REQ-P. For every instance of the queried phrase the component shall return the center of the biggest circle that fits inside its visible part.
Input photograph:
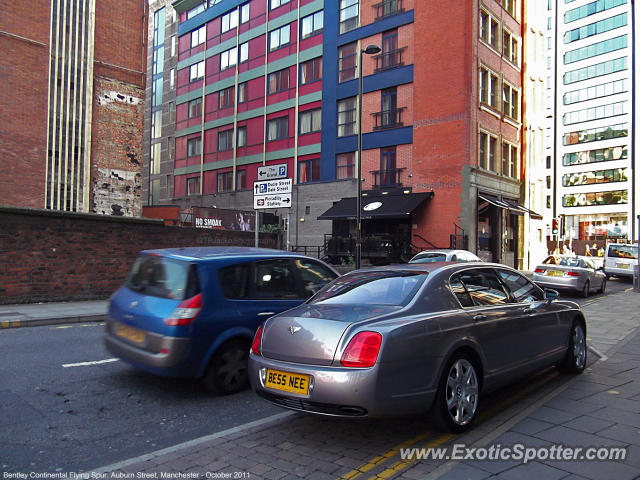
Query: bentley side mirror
(550, 295)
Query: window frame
(281, 43)
(279, 122)
(225, 140)
(314, 31)
(312, 114)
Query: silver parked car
(444, 255)
(404, 339)
(570, 273)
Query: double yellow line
(434, 441)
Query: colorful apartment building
(234, 85)
(73, 105)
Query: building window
(228, 58)
(347, 62)
(244, 52)
(225, 98)
(198, 36)
(277, 128)
(229, 20)
(596, 91)
(241, 179)
(311, 70)
(548, 180)
(510, 47)
(599, 176)
(509, 6)
(347, 111)
(196, 71)
(242, 92)
(602, 26)
(196, 10)
(591, 9)
(155, 157)
(310, 121)
(510, 101)
(279, 37)
(615, 197)
(595, 49)
(391, 55)
(156, 124)
(242, 137)
(489, 28)
(193, 186)
(225, 140)
(596, 134)
(244, 13)
(489, 87)
(349, 12)
(548, 201)
(194, 147)
(594, 113)
(388, 170)
(173, 45)
(389, 108)
(312, 24)
(386, 8)
(278, 81)
(509, 160)
(345, 165)
(225, 182)
(597, 70)
(309, 170)
(277, 3)
(171, 147)
(595, 156)
(487, 146)
(172, 78)
(195, 108)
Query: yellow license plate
(130, 333)
(622, 265)
(287, 382)
(554, 273)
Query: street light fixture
(370, 50)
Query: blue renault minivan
(192, 312)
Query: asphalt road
(58, 413)
(61, 409)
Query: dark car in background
(404, 339)
(192, 312)
(562, 272)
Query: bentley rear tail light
(362, 350)
(539, 270)
(255, 346)
(573, 274)
(186, 312)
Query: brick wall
(48, 256)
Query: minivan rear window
(162, 277)
(623, 251)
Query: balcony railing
(388, 118)
(388, 177)
(390, 59)
(386, 8)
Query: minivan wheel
(456, 403)
(228, 371)
(576, 357)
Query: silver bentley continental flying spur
(412, 338)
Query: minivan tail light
(255, 346)
(362, 350)
(186, 312)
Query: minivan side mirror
(550, 295)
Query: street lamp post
(370, 50)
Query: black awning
(377, 206)
(511, 205)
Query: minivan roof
(212, 253)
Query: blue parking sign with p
(263, 187)
(282, 170)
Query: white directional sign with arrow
(272, 193)
(269, 172)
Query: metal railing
(388, 118)
(386, 8)
(388, 177)
(390, 59)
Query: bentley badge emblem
(293, 329)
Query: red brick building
(73, 76)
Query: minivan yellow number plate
(622, 265)
(287, 382)
(130, 333)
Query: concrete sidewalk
(38, 314)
